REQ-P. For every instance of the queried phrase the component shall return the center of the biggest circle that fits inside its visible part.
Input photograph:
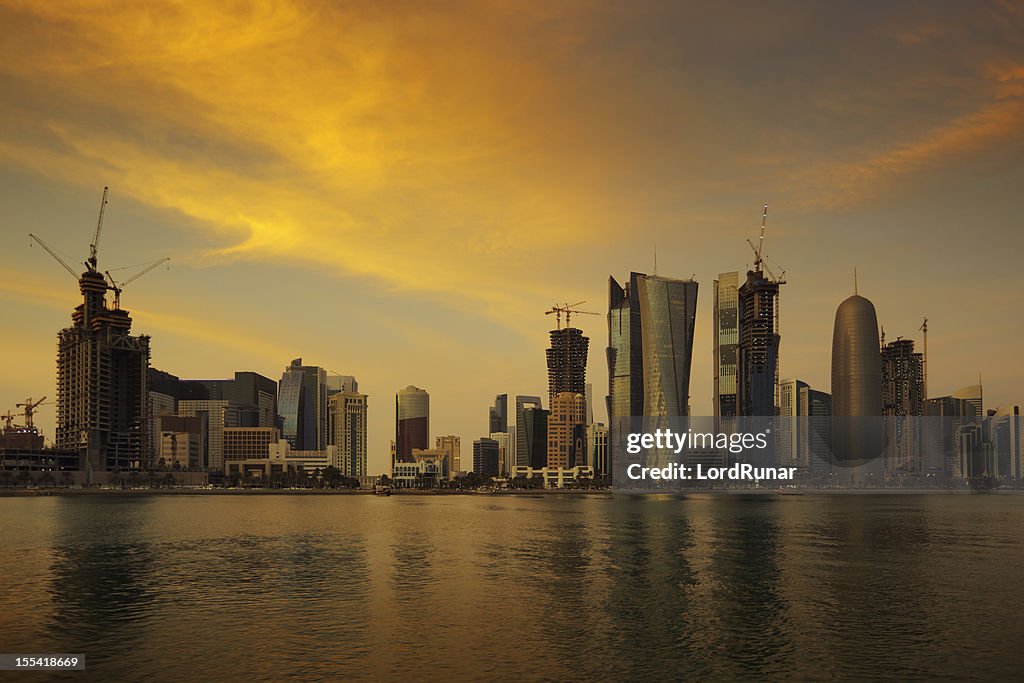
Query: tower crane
(52, 253)
(568, 309)
(8, 417)
(924, 363)
(91, 263)
(116, 288)
(759, 263)
(30, 410)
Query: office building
(941, 446)
(1006, 441)
(974, 395)
(792, 394)
(450, 448)
(650, 346)
(857, 434)
(522, 450)
(217, 418)
(412, 422)
(485, 457)
(248, 443)
(533, 431)
(302, 402)
(347, 427)
(597, 442)
(757, 351)
(182, 442)
(567, 362)
(497, 415)
(504, 447)
(102, 383)
(567, 429)
(726, 340)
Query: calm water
(259, 588)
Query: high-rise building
(218, 416)
(650, 346)
(902, 404)
(974, 395)
(485, 457)
(625, 351)
(567, 430)
(347, 428)
(102, 383)
(338, 383)
(856, 383)
(248, 443)
(522, 450)
(792, 394)
(941, 445)
(567, 362)
(757, 351)
(450, 448)
(182, 440)
(533, 430)
(302, 401)
(504, 446)
(412, 422)
(497, 415)
(597, 441)
(726, 341)
(1006, 441)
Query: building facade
(412, 422)
(567, 428)
(347, 429)
(726, 341)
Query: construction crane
(759, 263)
(116, 288)
(91, 263)
(924, 360)
(568, 309)
(30, 410)
(8, 417)
(52, 253)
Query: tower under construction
(102, 371)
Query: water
(260, 588)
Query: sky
(400, 190)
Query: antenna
(855, 292)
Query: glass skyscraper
(726, 338)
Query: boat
(381, 490)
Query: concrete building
(485, 457)
(504, 440)
(450, 448)
(102, 383)
(941, 448)
(347, 427)
(792, 396)
(556, 477)
(217, 417)
(412, 422)
(726, 341)
(902, 405)
(757, 351)
(567, 362)
(249, 443)
(1008, 450)
(534, 432)
(182, 442)
(567, 428)
(597, 442)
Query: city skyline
(358, 268)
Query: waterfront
(169, 588)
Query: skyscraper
(650, 346)
(533, 429)
(302, 401)
(412, 422)
(567, 362)
(902, 404)
(726, 340)
(567, 430)
(102, 383)
(522, 449)
(856, 383)
(792, 395)
(497, 415)
(347, 428)
(450, 448)
(757, 351)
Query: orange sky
(399, 190)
